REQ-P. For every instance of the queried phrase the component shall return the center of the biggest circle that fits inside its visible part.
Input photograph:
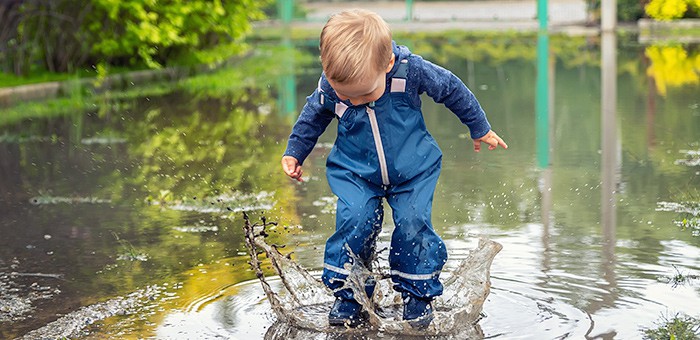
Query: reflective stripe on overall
(383, 150)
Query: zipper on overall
(378, 143)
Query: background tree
(64, 35)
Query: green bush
(672, 9)
(65, 35)
(627, 10)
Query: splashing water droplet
(303, 303)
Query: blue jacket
(421, 76)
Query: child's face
(365, 90)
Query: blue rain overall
(383, 150)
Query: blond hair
(355, 44)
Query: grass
(679, 327)
(129, 252)
(679, 278)
(9, 80)
(263, 65)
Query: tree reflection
(673, 66)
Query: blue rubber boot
(417, 311)
(346, 313)
(370, 284)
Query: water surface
(133, 205)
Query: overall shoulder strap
(329, 103)
(398, 81)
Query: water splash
(234, 202)
(45, 199)
(197, 229)
(688, 207)
(326, 203)
(689, 211)
(19, 139)
(692, 158)
(302, 305)
(102, 140)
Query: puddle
(302, 305)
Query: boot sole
(349, 322)
(422, 322)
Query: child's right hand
(291, 167)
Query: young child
(382, 151)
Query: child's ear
(391, 63)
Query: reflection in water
(610, 144)
(287, 99)
(544, 109)
(580, 256)
(672, 66)
(610, 167)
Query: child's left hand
(490, 138)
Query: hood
(401, 52)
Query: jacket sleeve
(312, 122)
(446, 88)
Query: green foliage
(65, 35)
(42, 35)
(102, 73)
(679, 278)
(665, 10)
(627, 10)
(274, 9)
(261, 66)
(630, 10)
(673, 65)
(153, 31)
(680, 327)
(498, 48)
(7, 79)
(633, 10)
(46, 109)
(128, 251)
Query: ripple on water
(74, 324)
(21, 291)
